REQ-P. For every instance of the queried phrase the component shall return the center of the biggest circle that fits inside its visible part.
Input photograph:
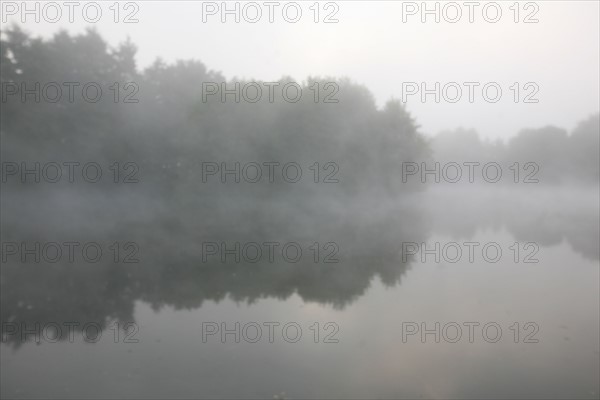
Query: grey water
(349, 325)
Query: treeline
(562, 157)
(167, 120)
(158, 118)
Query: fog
(372, 45)
(202, 208)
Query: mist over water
(174, 234)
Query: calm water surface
(355, 315)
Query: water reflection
(545, 215)
(171, 271)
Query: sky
(386, 46)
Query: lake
(447, 293)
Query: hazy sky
(373, 46)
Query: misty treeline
(172, 129)
(562, 157)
